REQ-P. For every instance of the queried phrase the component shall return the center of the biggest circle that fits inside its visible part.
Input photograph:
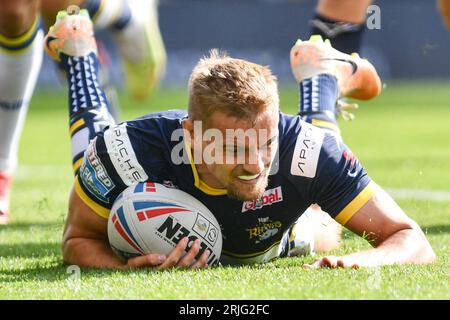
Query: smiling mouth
(249, 178)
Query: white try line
(24, 172)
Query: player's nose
(254, 164)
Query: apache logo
(269, 197)
(122, 155)
(307, 150)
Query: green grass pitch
(402, 138)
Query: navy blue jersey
(312, 166)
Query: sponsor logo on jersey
(93, 174)
(269, 197)
(264, 230)
(307, 151)
(122, 155)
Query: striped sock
(317, 102)
(344, 36)
(20, 62)
(89, 109)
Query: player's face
(248, 150)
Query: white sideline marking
(24, 172)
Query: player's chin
(246, 191)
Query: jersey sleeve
(110, 165)
(325, 171)
(342, 186)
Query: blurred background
(412, 42)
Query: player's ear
(188, 124)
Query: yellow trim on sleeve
(326, 124)
(77, 124)
(360, 200)
(16, 41)
(77, 164)
(199, 184)
(98, 209)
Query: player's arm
(397, 238)
(85, 243)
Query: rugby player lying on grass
(297, 163)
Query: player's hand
(150, 260)
(176, 259)
(332, 262)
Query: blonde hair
(235, 87)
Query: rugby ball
(151, 218)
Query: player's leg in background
(72, 44)
(315, 231)
(49, 10)
(341, 21)
(444, 9)
(135, 28)
(325, 75)
(21, 51)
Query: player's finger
(342, 264)
(189, 257)
(201, 262)
(329, 261)
(321, 263)
(149, 260)
(175, 255)
(318, 263)
(309, 266)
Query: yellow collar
(199, 184)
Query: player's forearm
(404, 246)
(92, 253)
